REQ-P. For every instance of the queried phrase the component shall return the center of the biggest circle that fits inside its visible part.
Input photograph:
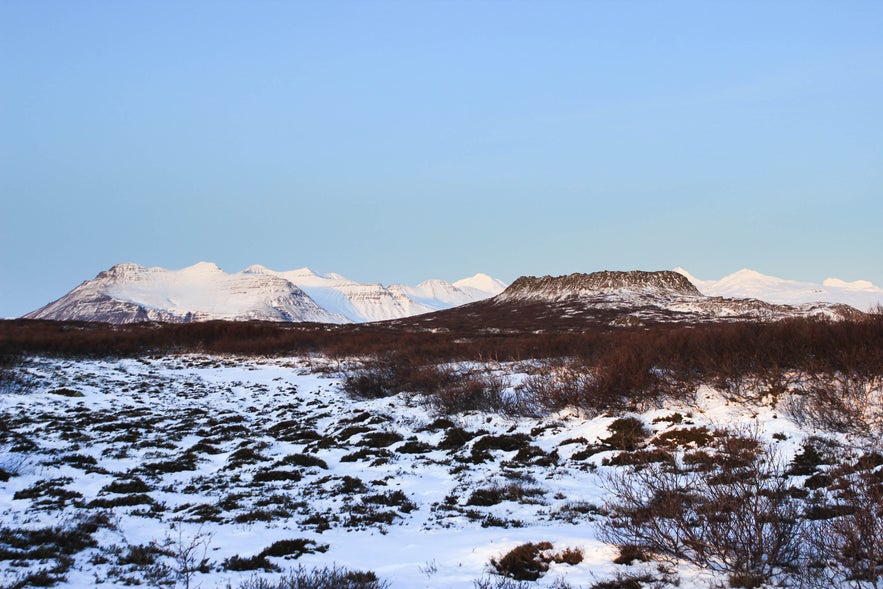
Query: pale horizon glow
(396, 142)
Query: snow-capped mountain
(654, 296)
(481, 284)
(130, 293)
(438, 294)
(860, 294)
(356, 301)
(360, 302)
(612, 298)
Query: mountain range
(578, 301)
(128, 293)
(861, 294)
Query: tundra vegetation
(261, 455)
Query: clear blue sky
(398, 141)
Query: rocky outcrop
(660, 284)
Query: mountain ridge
(747, 283)
(129, 292)
(608, 281)
(610, 299)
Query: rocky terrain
(579, 301)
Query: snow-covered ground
(247, 452)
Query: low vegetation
(528, 562)
(319, 578)
(824, 373)
(505, 421)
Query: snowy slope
(481, 286)
(129, 292)
(439, 294)
(745, 283)
(375, 302)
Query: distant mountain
(129, 293)
(479, 285)
(577, 301)
(438, 294)
(360, 302)
(355, 301)
(745, 283)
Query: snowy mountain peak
(257, 269)
(121, 271)
(748, 273)
(751, 278)
(436, 294)
(202, 268)
(746, 283)
(437, 282)
(129, 293)
(305, 272)
(481, 282)
(436, 285)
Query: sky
(395, 141)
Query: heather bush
(528, 562)
(494, 494)
(626, 433)
(496, 582)
(394, 373)
(54, 547)
(524, 562)
(471, 392)
(333, 577)
(635, 581)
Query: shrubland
(720, 498)
(824, 373)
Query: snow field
(201, 432)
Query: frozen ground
(243, 453)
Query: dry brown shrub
(846, 546)
(528, 562)
(850, 401)
(739, 520)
